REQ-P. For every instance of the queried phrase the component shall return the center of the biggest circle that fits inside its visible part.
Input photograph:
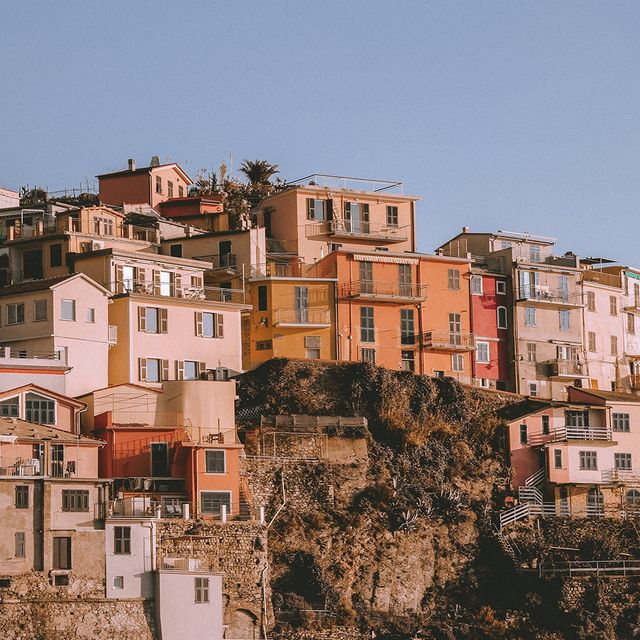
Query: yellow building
(292, 317)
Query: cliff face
(401, 541)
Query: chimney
(132, 164)
(465, 229)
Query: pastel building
(62, 319)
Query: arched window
(632, 499)
(502, 317)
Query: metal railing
(148, 507)
(448, 341)
(175, 290)
(302, 316)
(279, 270)
(568, 368)
(363, 229)
(545, 294)
(153, 418)
(587, 567)
(329, 181)
(33, 467)
(373, 289)
(209, 435)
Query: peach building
(46, 370)
(203, 212)
(64, 319)
(147, 185)
(309, 220)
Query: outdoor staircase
(245, 511)
(508, 546)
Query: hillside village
(252, 408)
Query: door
(32, 265)
(301, 304)
(57, 460)
(159, 459)
(405, 279)
(455, 329)
(563, 282)
(356, 217)
(564, 501)
(224, 247)
(366, 277)
(165, 283)
(595, 502)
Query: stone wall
(335, 633)
(239, 550)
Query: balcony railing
(192, 565)
(152, 418)
(174, 290)
(571, 368)
(634, 380)
(545, 294)
(367, 230)
(601, 277)
(32, 467)
(376, 290)
(221, 261)
(29, 357)
(582, 433)
(279, 270)
(437, 340)
(303, 317)
(148, 507)
(620, 475)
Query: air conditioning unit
(96, 245)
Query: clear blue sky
(501, 115)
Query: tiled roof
(32, 285)
(614, 396)
(24, 430)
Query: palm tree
(258, 171)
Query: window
(613, 305)
(39, 310)
(118, 582)
(264, 345)
(189, 369)
(40, 409)
(621, 422)
(91, 314)
(75, 500)
(214, 461)
(505, 244)
(62, 552)
(211, 501)
(392, 216)
(534, 253)
(301, 304)
(563, 287)
(180, 191)
(55, 255)
(557, 458)
(209, 325)
(577, 418)
(262, 298)
(405, 282)
(19, 544)
(533, 389)
(316, 209)
(368, 355)
(407, 329)
(408, 362)
(502, 317)
(158, 184)
(153, 369)
(476, 285)
(15, 313)
(453, 279)
(532, 352)
(482, 353)
(546, 426)
(365, 273)
(631, 323)
(592, 341)
(457, 362)
(565, 320)
(636, 295)
(632, 498)
(175, 250)
(367, 333)
(10, 408)
(159, 459)
(312, 346)
(202, 590)
(614, 345)
(530, 316)
(121, 541)
(524, 435)
(153, 320)
(22, 497)
(622, 461)
(68, 310)
(356, 217)
(56, 453)
(588, 460)
(169, 189)
(501, 287)
(591, 301)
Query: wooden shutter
(179, 369)
(142, 369)
(329, 211)
(118, 285)
(176, 284)
(165, 370)
(164, 320)
(198, 319)
(156, 282)
(140, 277)
(219, 318)
(202, 367)
(142, 318)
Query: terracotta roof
(24, 430)
(44, 391)
(32, 285)
(526, 408)
(613, 396)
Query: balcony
(548, 296)
(384, 291)
(620, 476)
(582, 433)
(33, 468)
(360, 230)
(568, 368)
(30, 358)
(226, 262)
(191, 565)
(634, 381)
(174, 290)
(601, 277)
(446, 341)
(319, 318)
(144, 506)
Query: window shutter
(156, 282)
(219, 325)
(118, 284)
(365, 213)
(202, 367)
(179, 370)
(142, 318)
(177, 285)
(164, 320)
(198, 318)
(329, 206)
(165, 370)
(142, 369)
(310, 211)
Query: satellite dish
(155, 161)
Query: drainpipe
(471, 329)
(420, 322)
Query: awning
(382, 258)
